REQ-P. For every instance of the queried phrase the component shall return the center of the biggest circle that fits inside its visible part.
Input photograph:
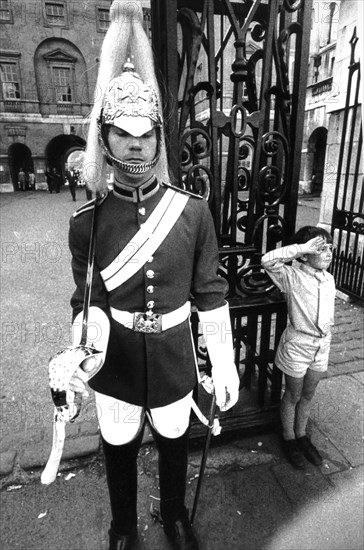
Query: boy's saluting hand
(314, 246)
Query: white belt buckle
(148, 322)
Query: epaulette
(183, 191)
(90, 204)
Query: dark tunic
(150, 370)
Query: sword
(65, 412)
(204, 455)
(49, 473)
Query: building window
(332, 66)
(5, 13)
(10, 80)
(62, 78)
(333, 22)
(55, 13)
(103, 19)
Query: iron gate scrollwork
(348, 209)
(236, 79)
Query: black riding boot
(121, 475)
(173, 456)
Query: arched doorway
(317, 152)
(19, 156)
(58, 150)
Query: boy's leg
(310, 382)
(292, 395)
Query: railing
(322, 87)
(13, 106)
(348, 271)
(65, 108)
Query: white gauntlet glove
(70, 369)
(216, 328)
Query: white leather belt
(150, 322)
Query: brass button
(150, 289)
(150, 274)
(142, 211)
(150, 304)
(150, 260)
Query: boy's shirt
(310, 296)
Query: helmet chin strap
(130, 167)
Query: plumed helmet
(130, 103)
(124, 97)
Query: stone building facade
(350, 22)
(333, 25)
(322, 91)
(48, 59)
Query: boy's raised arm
(291, 252)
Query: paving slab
(302, 486)
(334, 522)
(338, 410)
(338, 366)
(333, 459)
(240, 510)
(359, 376)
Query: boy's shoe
(309, 450)
(293, 453)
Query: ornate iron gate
(348, 212)
(236, 79)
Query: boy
(303, 350)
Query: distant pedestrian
(50, 181)
(72, 178)
(57, 180)
(22, 180)
(303, 350)
(31, 181)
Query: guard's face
(133, 149)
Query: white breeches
(120, 421)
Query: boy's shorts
(298, 352)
